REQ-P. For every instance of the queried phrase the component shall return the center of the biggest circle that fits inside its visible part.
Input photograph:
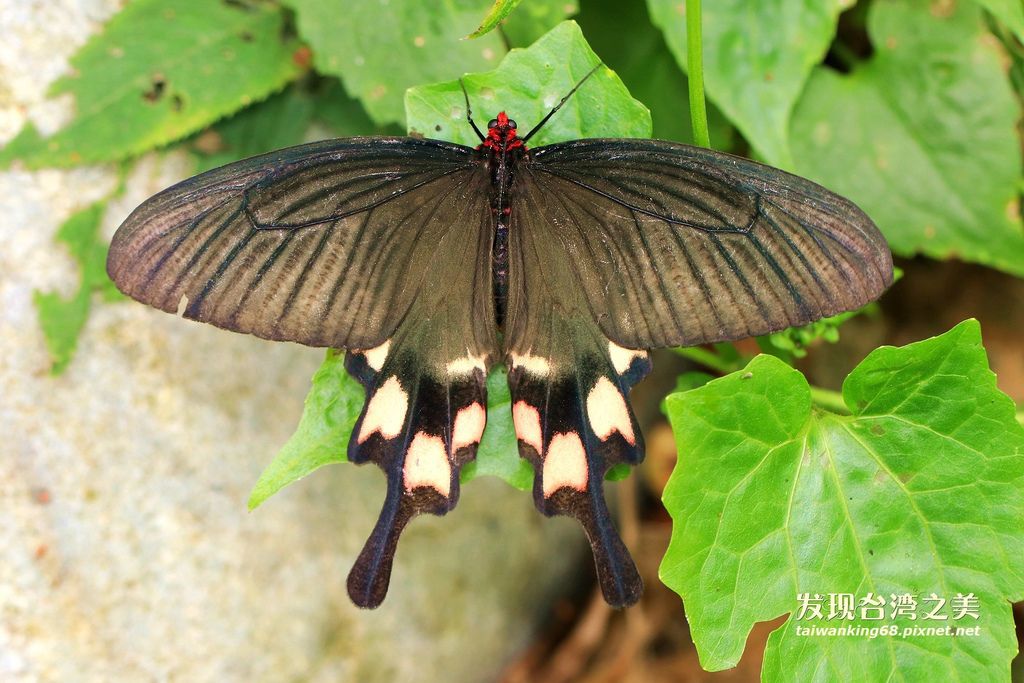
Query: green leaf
(757, 57)
(498, 454)
(527, 84)
(499, 10)
(380, 49)
(923, 136)
(332, 406)
(158, 72)
(532, 20)
(1010, 12)
(280, 121)
(345, 115)
(918, 491)
(62, 319)
(623, 37)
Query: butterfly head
(501, 134)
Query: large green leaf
(757, 57)
(919, 491)
(380, 49)
(527, 84)
(158, 72)
(923, 136)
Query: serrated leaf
(757, 57)
(60, 318)
(526, 85)
(923, 136)
(158, 72)
(499, 10)
(623, 37)
(918, 491)
(380, 49)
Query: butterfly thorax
(504, 149)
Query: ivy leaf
(918, 491)
(380, 49)
(527, 84)
(62, 319)
(757, 58)
(158, 72)
(499, 10)
(923, 136)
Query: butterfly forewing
(676, 245)
(325, 244)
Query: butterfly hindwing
(422, 421)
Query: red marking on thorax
(501, 135)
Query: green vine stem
(695, 67)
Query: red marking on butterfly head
(501, 134)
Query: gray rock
(126, 552)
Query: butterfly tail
(573, 426)
(420, 426)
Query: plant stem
(829, 400)
(695, 67)
(708, 359)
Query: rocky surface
(126, 552)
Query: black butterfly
(431, 261)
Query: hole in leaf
(156, 90)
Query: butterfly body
(432, 262)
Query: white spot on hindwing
(376, 356)
(469, 426)
(535, 365)
(466, 366)
(526, 418)
(386, 411)
(565, 464)
(426, 464)
(607, 411)
(622, 358)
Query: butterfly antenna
(469, 112)
(559, 105)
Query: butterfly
(431, 262)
